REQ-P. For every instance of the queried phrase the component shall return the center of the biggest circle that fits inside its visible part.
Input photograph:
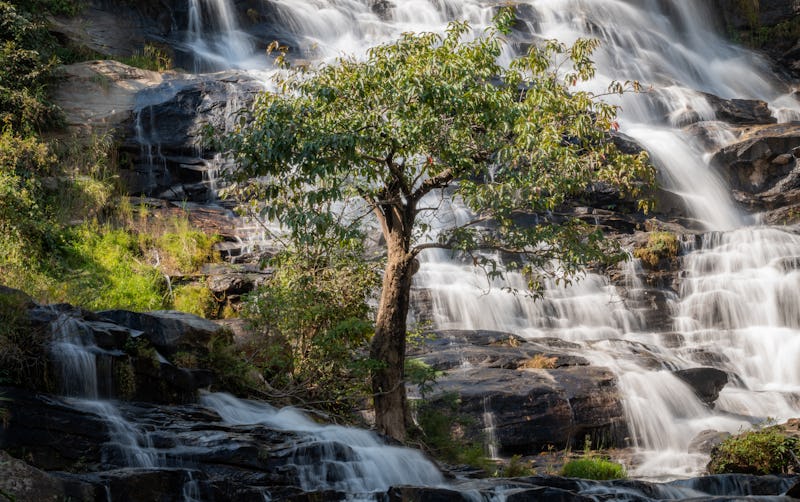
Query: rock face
(538, 394)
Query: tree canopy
(438, 114)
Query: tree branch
(439, 181)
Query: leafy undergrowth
(762, 451)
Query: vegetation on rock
(430, 115)
(593, 468)
(761, 451)
(660, 246)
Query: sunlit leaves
(431, 111)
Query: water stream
(738, 302)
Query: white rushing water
(738, 305)
(332, 457)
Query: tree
(439, 114)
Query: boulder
(51, 434)
(758, 161)
(707, 440)
(705, 382)
(20, 481)
(740, 111)
(169, 331)
(536, 409)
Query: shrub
(593, 468)
(311, 324)
(763, 451)
(27, 67)
(151, 57)
(442, 431)
(23, 349)
(659, 246)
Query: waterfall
(737, 308)
(351, 460)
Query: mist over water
(738, 306)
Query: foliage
(763, 451)
(593, 468)
(27, 65)
(151, 57)
(659, 246)
(440, 428)
(516, 468)
(183, 250)
(232, 368)
(421, 374)
(22, 161)
(195, 299)
(22, 348)
(111, 271)
(427, 112)
(590, 466)
(311, 324)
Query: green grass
(593, 468)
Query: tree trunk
(389, 343)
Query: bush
(660, 246)
(442, 431)
(311, 325)
(593, 468)
(27, 65)
(764, 451)
(23, 349)
(151, 58)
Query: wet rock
(534, 409)
(138, 485)
(417, 494)
(740, 111)
(233, 281)
(169, 331)
(50, 434)
(706, 382)
(748, 165)
(767, 12)
(707, 440)
(739, 485)
(20, 481)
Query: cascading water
(738, 299)
(333, 458)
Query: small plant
(763, 451)
(539, 361)
(659, 246)
(150, 57)
(593, 468)
(516, 468)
